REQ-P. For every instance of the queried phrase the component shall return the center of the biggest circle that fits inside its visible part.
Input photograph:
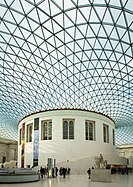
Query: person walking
(89, 172)
(41, 172)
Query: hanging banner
(23, 145)
(36, 142)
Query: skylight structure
(65, 54)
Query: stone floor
(78, 181)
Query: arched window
(105, 133)
(89, 130)
(68, 129)
(71, 130)
(29, 133)
(46, 130)
(65, 129)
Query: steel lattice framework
(65, 54)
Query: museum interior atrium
(74, 54)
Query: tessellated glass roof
(65, 54)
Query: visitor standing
(89, 172)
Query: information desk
(19, 177)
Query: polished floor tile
(78, 181)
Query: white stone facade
(68, 150)
(127, 152)
(8, 150)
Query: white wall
(71, 150)
(127, 152)
(8, 149)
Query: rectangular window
(113, 137)
(90, 130)
(20, 136)
(68, 129)
(105, 133)
(46, 129)
(29, 133)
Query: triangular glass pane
(71, 31)
(78, 33)
(85, 57)
(117, 55)
(129, 52)
(4, 37)
(103, 56)
(129, 5)
(86, 12)
(31, 40)
(68, 4)
(83, 29)
(101, 12)
(88, 52)
(114, 43)
(113, 57)
(128, 59)
(102, 32)
(13, 42)
(3, 27)
(60, 35)
(33, 24)
(42, 16)
(24, 24)
(107, 17)
(121, 32)
(56, 27)
(53, 8)
(60, 3)
(95, 28)
(97, 44)
(37, 55)
(2, 11)
(93, 17)
(118, 48)
(60, 20)
(114, 34)
(121, 20)
(93, 56)
(115, 14)
(70, 18)
(90, 33)
(47, 33)
(11, 27)
(91, 41)
(126, 37)
(44, 7)
(50, 47)
(58, 42)
(12, 57)
(80, 18)
(17, 6)
(68, 38)
(80, 43)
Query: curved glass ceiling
(65, 54)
